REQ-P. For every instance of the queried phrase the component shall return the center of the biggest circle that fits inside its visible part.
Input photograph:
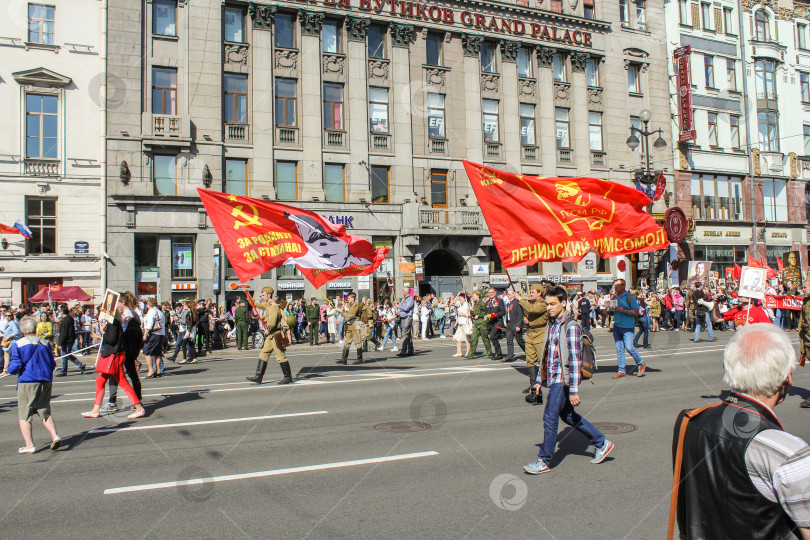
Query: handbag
(111, 363)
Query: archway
(442, 262)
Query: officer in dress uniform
(354, 329)
(479, 313)
(804, 333)
(313, 318)
(495, 314)
(537, 319)
(275, 321)
(514, 326)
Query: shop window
(569, 268)
(182, 256)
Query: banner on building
(684, 82)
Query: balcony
(768, 49)
(529, 153)
(418, 219)
(166, 129)
(494, 150)
(237, 132)
(41, 167)
(335, 138)
(165, 126)
(565, 155)
(380, 141)
(440, 219)
(438, 146)
(287, 135)
(598, 159)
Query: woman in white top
(425, 317)
(464, 323)
(388, 317)
(331, 321)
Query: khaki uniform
(537, 315)
(367, 318)
(313, 318)
(354, 326)
(479, 314)
(804, 327)
(275, 321)
(689, 305)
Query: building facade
(752, 128)
(52, 147)
(363, 111)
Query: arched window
(762, 25)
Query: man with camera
(562, 351)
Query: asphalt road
(313, 466)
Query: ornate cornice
(310, 22)
(544, 56)
(356, 28)
(578, 60)
(509, 50)
(471, 44)
(262, 16)
(402, 35)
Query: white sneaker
(379, 348)
(339, 342)
(442, 336)
(394, 349)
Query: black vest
(717, 499)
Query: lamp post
(646, 176)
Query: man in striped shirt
(563, 350)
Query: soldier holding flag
(274, 321)
(354, 330)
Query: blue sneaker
(602, 453)
(538, 466)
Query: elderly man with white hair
(738, 474)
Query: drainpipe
(747, 124)
(103, 101)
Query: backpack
(588, 366)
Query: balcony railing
(598, 159)
(530, 153)
(455, 218)
(335, 138)
(286, 135)
(381, 142)
(164, 125)
(438, 146)
(494, 150)
(41, 167)
(565, 155)
(237, 132)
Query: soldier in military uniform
(275, 321)
(367, 318)
(313, 318)
(241, 318)
(537, 318)
(495, 314)
(354, 329)
(479, 314)
(804, 333)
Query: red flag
(535, 219)
(779, 264)
(770, 272)
(660, 187)
(5, 229)
(737, 271)
(259, 235)
(753, 262)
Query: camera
(534, 398)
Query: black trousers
(132, 373)
(585, 316)
(511, 337)
(494, 333)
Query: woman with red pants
(110, 345)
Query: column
(510, 104)
(310, 172)
(400, 95)
(472, 97)
(357, 121)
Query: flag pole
(326, 298)
(510, 280)
(250, 301)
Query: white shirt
(152, 316)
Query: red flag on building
(535, 219)
(779, 264)
(737, 274)
(5, 229)
(660, 186)
(259, 235)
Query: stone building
(363, 110)
(52, 147)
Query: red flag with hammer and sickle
(535, 219)
(259, 235)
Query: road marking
(262, 474)
(205, 422)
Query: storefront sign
(558, 279)
(676, 225)
(346, 221)
(364, 282)
(297, 285)
(81, 247)
(499, 280)
(406, 267)
(382, 241)
(234, 285)
(684, 82)
(217, 255)
(479, 270)
(339, 285)
(184, 286)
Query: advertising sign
(181, 257)
(684, 82)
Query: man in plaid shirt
(564, 360)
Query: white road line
(205, 422)
(262, 474)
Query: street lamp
(646, 176)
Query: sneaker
(538, 466)
(379, 348)
(56, 443)
(805, 404)
(137, 414)
(601, 453)
(442, 337)
(3, 374)
(27, 450)
(108, 407)
(394, 349)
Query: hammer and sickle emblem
(240, 214)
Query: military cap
(546, 283)
(269, 290)
(312, 299)
(537, 287)
(476, 291)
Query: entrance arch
(442, 262)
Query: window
(635, 122)
(558, 68)
(330, 36)
(235, 24)
(490, 108)
(589, 9)
(286, 102)
(286, 180)
(706, 15)
(435, 104)
(527, 137)
(378, 109)
(376, 41)
(164, 15)
(438, 188)
(284, 31)
(487, 55)
(287, 270)
(728, 20)
(634, 78)
(712, 117)
(801, 35)
(495, 263)
(41, 126)
(41, 219)
(40, 24)
(723, 256)
(236, 177)
(768, 131)
(333, 107)
(164, 91)
(236, 98)
(182, 256)
(333, 182)
(765, 71)
(624, 12)
(146, 251)
(806, 130)
(164, 173)
(561, 123)
(804, 84)
(556, 6)
(592, 72)
(683, 11)
(536, 268)
(569, 268)
(524, 62)
(380, 181)
(774, 195)
(595, 130)
(731, 75)
(641, 13)
(716, 197)
(734, 124)
(762, 30)
(433, 44)
(708, 70)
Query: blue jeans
(707, 322)
(558, 406)
(643, 328)
(441, 322)
(389, 331)
(624, 342)
(678, 319)
(341, 328)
